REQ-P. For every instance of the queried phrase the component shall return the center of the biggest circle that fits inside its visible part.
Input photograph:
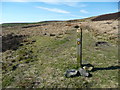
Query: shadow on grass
(96, 69)
(101, 68)
(106, 68)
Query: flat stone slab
(71, 73)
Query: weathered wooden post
(82, 70)
(79, 47)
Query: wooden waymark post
(82, 70)
(79, 47)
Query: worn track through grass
(50, 57)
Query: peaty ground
(41, 62)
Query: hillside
(38, 54)
(112, 16)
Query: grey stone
(71, 73)
(83, 72)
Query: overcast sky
(42, 10)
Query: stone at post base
(88, 67)
(79, 72)
(71, 73)
(83, 72)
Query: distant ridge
(111, 16)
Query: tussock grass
(42, 64)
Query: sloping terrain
(37, 55)
(107, 30)
(112, 16)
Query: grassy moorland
(40, 61)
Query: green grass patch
(49, 58)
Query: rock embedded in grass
(101, 43)
(33, 40)
(21, 44)
(76, 26)
(52, 34)
(44, 33)
(114, 28)
(14, 67)
(21, 65)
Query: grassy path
(52, 56)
